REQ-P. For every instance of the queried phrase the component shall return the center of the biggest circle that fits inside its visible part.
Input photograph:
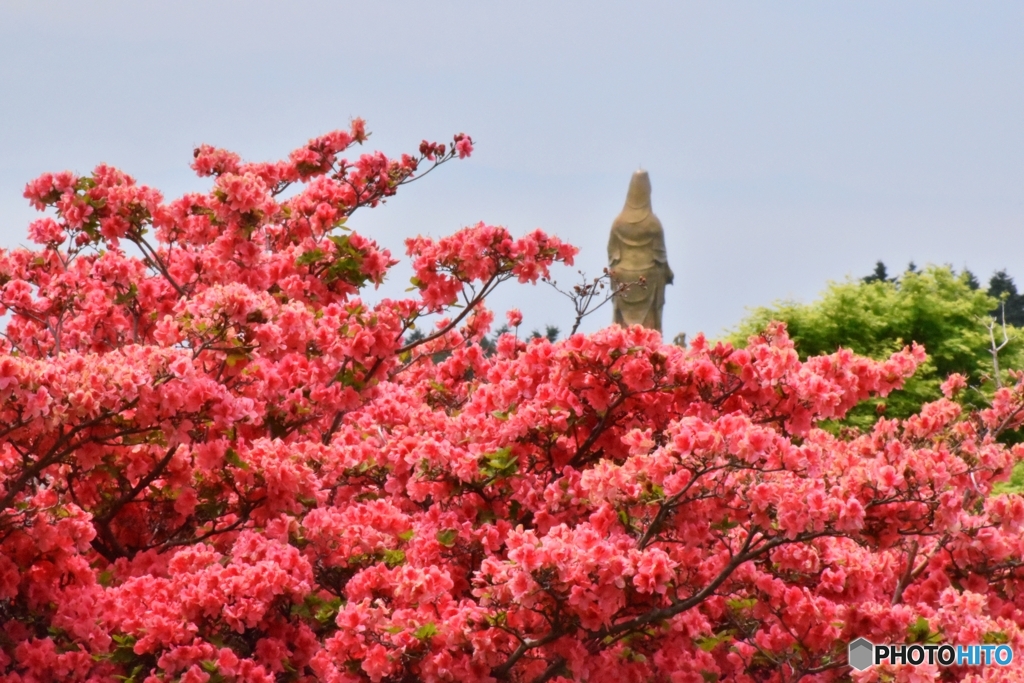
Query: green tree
(935, 307)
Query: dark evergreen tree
(880, 274)
(1002, 287)
(550, 333)
(971, 280)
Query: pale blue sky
(788, 143)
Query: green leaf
(406, 535)
(499, 464)
(347, 264)
(741, 604)
(124, 653)
(308, 258)
(485, 515)
(920, 632)
(233, 358)
(232, 458)
(630, 655)
(348, 377)
(995, 638)
(427, 630)
(709, 643)
(127, 297)
(498, 619)
(503, 415)
(393, 558)
(624, 519)
(724, 525)
(657, 492)
(302, 609)
(328, 611)
(446, 537)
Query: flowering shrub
(218, 464)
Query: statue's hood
(638, 199)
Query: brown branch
(744, 555)
(667, 507)
(55, 454)
(106, 543)
(485, 291)
(557, 664)
(243, 519)
(112, 511)
(583, 295)
(335, 423)
(596, 432)
(502, 672)
(907, 576)
(827, 666)
(1006, 422)
(154, 260)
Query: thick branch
(583, 451)
(553, 669)
(661, 614)
(56, 453)
(138, 488)
(907, 576)
(502, 672)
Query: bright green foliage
(1015, 484)
(936, 308)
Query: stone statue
(636, 249)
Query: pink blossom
(953, 384)
(463, 145)
(514, 317)
(223, 462)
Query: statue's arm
(661, 258)
(614, 249)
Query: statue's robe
(636, 249)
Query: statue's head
(638, 199)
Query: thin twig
(583, 295)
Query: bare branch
(584, 295)
(907, 576)
(994, 348)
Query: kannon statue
(637, 259)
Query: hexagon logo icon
(860, 654)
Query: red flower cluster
(218, 464)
